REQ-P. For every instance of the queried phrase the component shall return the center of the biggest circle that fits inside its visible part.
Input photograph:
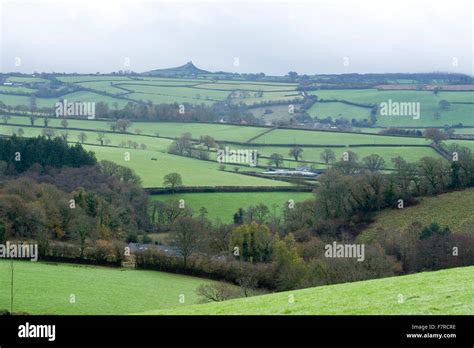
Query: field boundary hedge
(210, 189)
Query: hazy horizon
(273, 37)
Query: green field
(246, 86)
(293, 136)
(410, 154)
(81, 96)
(337, 110)
(224, 132)
(102, 86)
(181, 94)
(16, 89)
(193, 172)
(450, 209)
(267, 96)
(45, 288)
(445, 292)
(85, 78)
(26, 79)
(278, 112)
(152, 144)
(172, 90)
(458, 113)
(223, 205)
(209, 91)
(163, 129)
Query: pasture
(223, 205)
(337, 110)
(46, 288)
(193, 172)
(457, 113)
(410, 154)
(224, 132)
(295, 136)
(445, 292)
(81, 96)
(449, 209)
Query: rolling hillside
(452, 209)
(443, 292)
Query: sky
(274, 37)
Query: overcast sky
(273, 37)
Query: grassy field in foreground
(450, 209)
(223, 205)
(45, 288)
(443, 292)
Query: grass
(293, 136)
(223, 205)
(153, 144)
(164, 129)
(247, 86)
(458, 113)
(446, 292)
(450, 209)
(45, 288)
(85, 78)
(102, 86)
(410, 154)
(180, 94)
(337, 110)
(25, 79)
(167, 99)
(81, 96)
(279, 113)
(16, 89)
(193, 172)
(267, 96)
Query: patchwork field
(223, 132)
(46, 288)
(164, 129)
(457, 113)
(445, 292)
(193, 172)
(410, 154)
(15, 100)
(223, 205)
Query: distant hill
(188, 69)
